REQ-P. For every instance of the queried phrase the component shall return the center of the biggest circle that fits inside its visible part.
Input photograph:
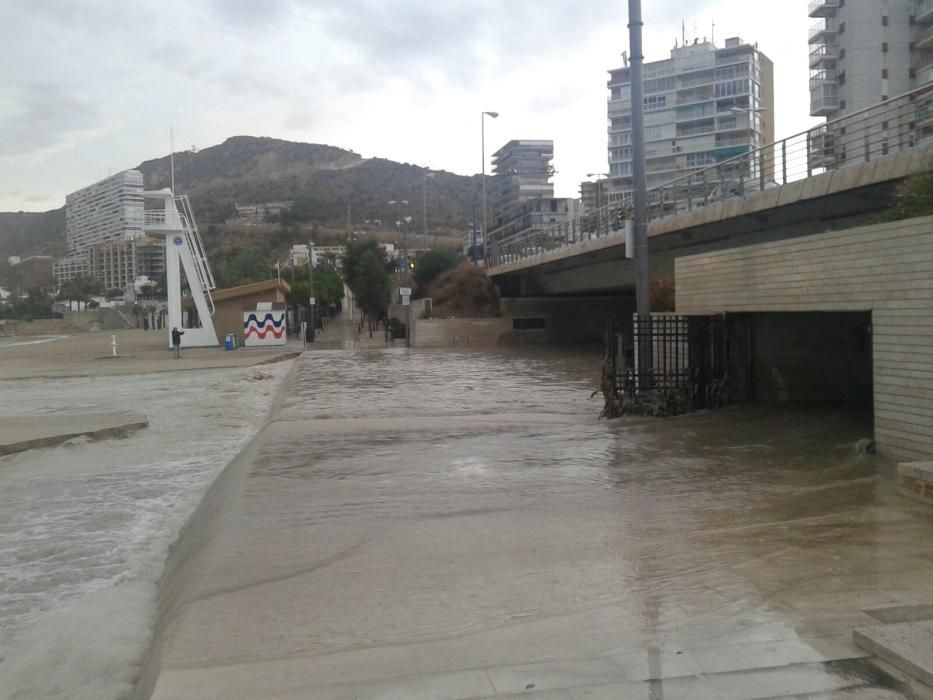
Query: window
(655, 102)
(731, 72)
(660, 85)
(884, 20)
(653, 133)
(528, 324)
(728, 122)
(884, 73)
(884, 47)
(732, 87)
(698, 160)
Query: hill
(29, 233)
(322, 180)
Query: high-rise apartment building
(703, 105)
(118, 264)
(108, 210)
(521, 194)
(863, 52)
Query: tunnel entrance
(802, 357)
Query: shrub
(464, 291)
(432, 264)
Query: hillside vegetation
(323, 181)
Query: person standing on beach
(176, 341)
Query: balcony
(824, 97)
(822, 33)
(823, 8)
(823, 55)
(924, 12)
(924, 40)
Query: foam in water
(85, 528)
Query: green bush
(432, 264)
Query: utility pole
(311, 298)
(640, 217)
(640, 194)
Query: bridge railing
(893, 126)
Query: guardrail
(899, 124)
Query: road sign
(312, 301)
(405, 291)
(406, 301)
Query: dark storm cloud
(46, 116)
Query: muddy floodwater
(459, 524)
(85, 527)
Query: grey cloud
(47, 117)
(457, 36)
(250, 14)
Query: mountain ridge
(327, 180)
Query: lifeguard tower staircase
(184, 250)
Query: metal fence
(685, 354)
(893, 126)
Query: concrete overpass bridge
(831, 177)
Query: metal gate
(686, 361)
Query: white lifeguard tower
(183, 250)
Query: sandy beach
(139, 352)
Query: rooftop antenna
(171, 141)
(683, 31)
(714, 31)
(625, 58)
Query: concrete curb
(105, 427)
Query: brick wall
(886, 269)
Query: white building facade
(703, 105)
(521, 194)
(863, 52)
(107, 211)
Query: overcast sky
(90, 87)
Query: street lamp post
(424, 212)
(311, 298)
(407, 221)
(494, 115)
(640, 182)
(401, 203)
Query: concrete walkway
(384, 537)
(342, 333)
(21, 433)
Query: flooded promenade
(425, 525)
(85, 526)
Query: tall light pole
(400, 203)
(424, 211)
(494, 115)
(311, 299)
(640, 177)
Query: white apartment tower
(106, 212)
(863, 52)
(703, 105)
(109, 210)
(521, 194)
